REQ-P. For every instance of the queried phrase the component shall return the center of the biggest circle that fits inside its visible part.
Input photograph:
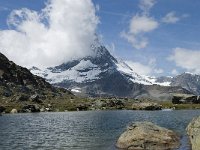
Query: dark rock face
(186, 99)
(23, 97)
(2, 109)
(82, 107)
(30, 108)
(19, 86)
(7, 93)
(148, 136)
(35, 98)
(12, 73)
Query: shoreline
(101, 110)
(80, 104)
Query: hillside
(20, 89)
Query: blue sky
(173, 38)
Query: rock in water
(147, 136)
(193, 130)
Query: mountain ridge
(99, 75)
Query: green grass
(70, 103)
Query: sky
(155, 37)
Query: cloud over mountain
(63, 30)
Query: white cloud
(139, 68)
(139, 25)
(171, 17)
(146, 5)
(62, 30)
(158, 71)
(174, 72)
(186, 59)
(3, 8)
(111, 48)
(145, 69)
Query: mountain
(20, 88)
(101, 74)
(188, 81)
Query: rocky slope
(20, 88)
(188, 81)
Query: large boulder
(7, 93)
(30, 108)
(146, 135)
(82, 107)
(13, 111)
(193, 130)
(23, 97)
(35, 98)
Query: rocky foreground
(193, 131)
(148, 136)
(22, 91)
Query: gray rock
(7, 93)
(23, 97)
(146, 106)
(147, 136)
(82, 107)
(14, 111)
(193, 130)
(35, 98)
(30, 108)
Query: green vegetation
(168, 104)
(72, 103)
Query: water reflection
(97, 130)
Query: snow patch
(83, 72)
(125, 69)
(153, 80)
(76, 90)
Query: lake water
(91, 130)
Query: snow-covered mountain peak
(90, 68)
(104, 74)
